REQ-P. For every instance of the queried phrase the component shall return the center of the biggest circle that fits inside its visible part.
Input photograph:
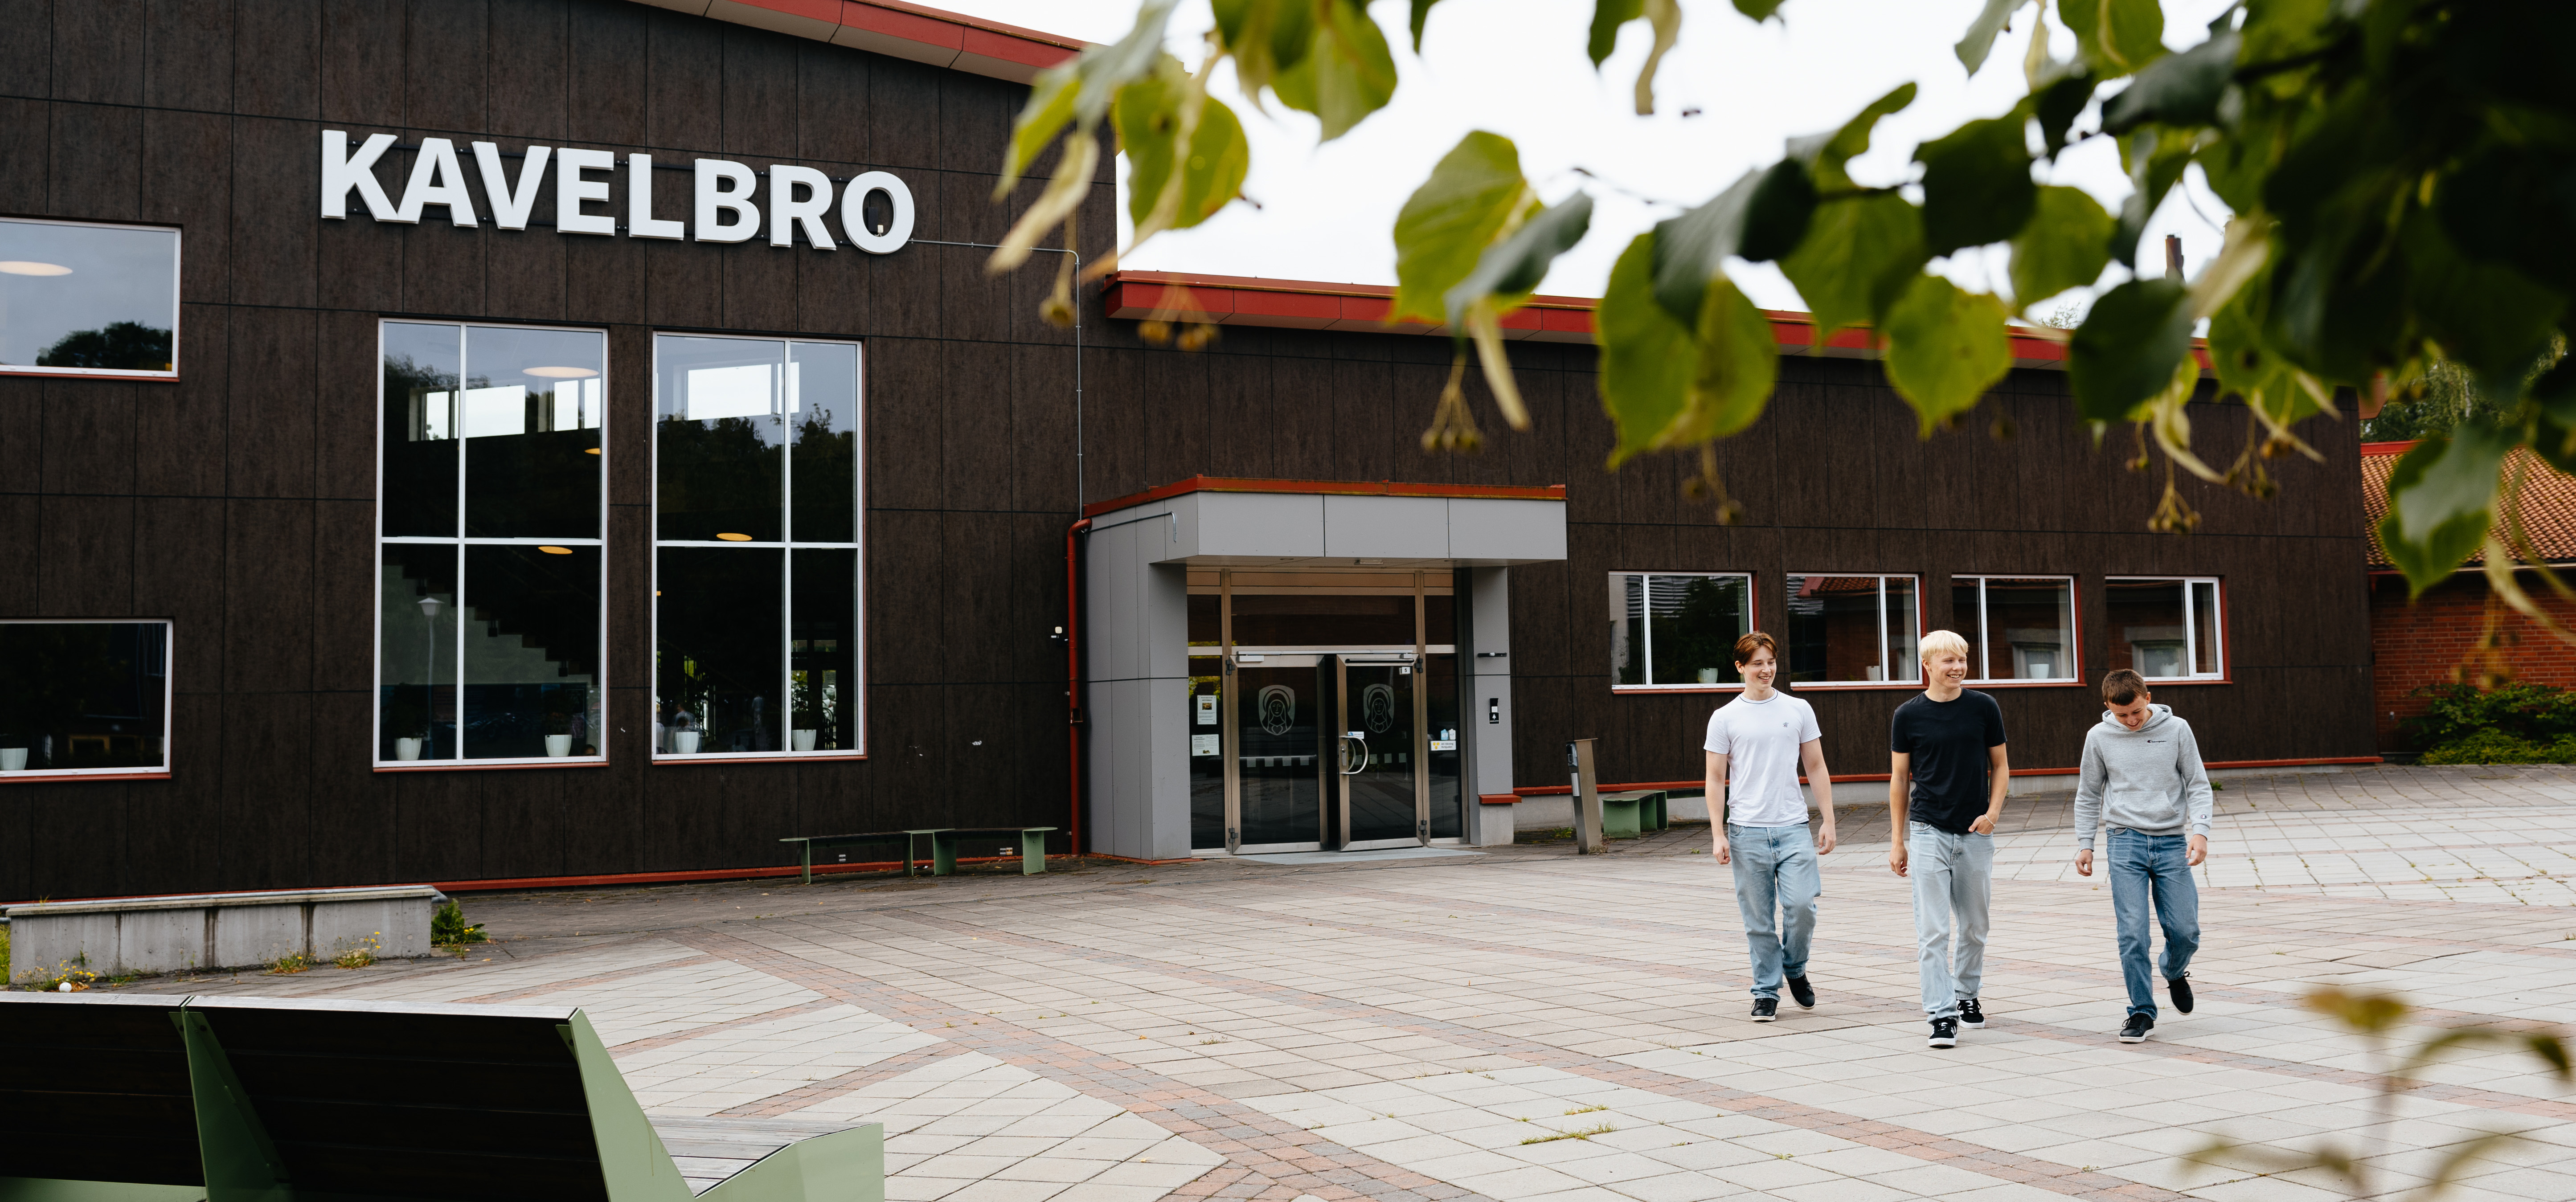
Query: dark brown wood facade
(239, 501)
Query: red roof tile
(2548, 502)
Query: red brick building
(2459, 630)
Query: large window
(1854, 630)
(489, 618)
(1677, 630)
(84, 698)
(82, 299)
(2166, 627)
(756, 641)
(2019, 628)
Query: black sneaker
(1765, 1009)
(2180, 988)
(2135, 1030)
(1802, 992)
(1971, 1014)
(1945, 1033)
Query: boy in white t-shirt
(1758, 820)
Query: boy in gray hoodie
(2143, 779)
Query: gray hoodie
(2142, 779)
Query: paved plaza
(1426, 1028)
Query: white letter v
(511, 205)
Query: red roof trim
(900, 29)
(2374, 449)
(1307, 305)
(1344, 488)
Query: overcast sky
(1517, 67)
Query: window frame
(376, 622)
(178, 292)
(2074, 632)
(169, 670)
(1752, 618)
(857, 691)
(1914, 685)
(2191, 628)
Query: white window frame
(854, 694)
(375, 682)
(178, 238)
(1914, 665)
(2192, 623)
(1752, 611)
(169, 660)
(1984, 676)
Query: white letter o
(854, 221)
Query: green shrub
(447, 927)
(2536, 713)
(2496, 747)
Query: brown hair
(1752, 642)
(2122, 686)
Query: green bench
(143, 1098)
(943, 847)
(1633, 813)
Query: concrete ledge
(117, 936)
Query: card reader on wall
(1493, 711)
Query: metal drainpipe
(1073, 681)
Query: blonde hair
(1941, 641)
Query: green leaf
(1972, 49)
(1148, 117)
(2486, 315)
(1976, 184)
(1606, 22)
(2115, 37)
(1265, 37)
(1759, 10)
(2066, 245)
(1448, 222)
(1858, 257)
(1348, 73)
(1776, 216)
(1825, 153)
(2249, 368)
(2155, 161)
(1049, 110)
(1421, 13)
(2129, 347)
(1510, 270)
(1646, 357)
(1607, 17)
(1692, 249)
(2180, 89)
(1667, 385)
(2057, 103)
(2554, 393)
(1080, 92)
(1945, 348)
(2441, 501)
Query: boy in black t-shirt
(1945, 789)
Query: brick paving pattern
(1529, 1024)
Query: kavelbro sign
(724, 209)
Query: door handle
(1362, 739)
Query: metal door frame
(1231, 724)
(1396, 657)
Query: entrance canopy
(1215, 521)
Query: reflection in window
(2018, 627)
(84, 697)
(1671, 630)
(490, 563)
(2165, 628)
(756, 643)
(1853, 630)
(86, 299)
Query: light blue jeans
(1775, 870)
(2144, 866)
(1954, 879)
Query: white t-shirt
(1760, 740)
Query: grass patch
(1585, 1110)
(289, 964)
(1586, 1133)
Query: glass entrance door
(1282, 710)
(1380, 757)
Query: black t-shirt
(1949, 741)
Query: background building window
(83, 299)
(756, 561)
(1677, 629)
(2166, 627)
(1853, 630)
(84, 698)
(2018, 627)
(490, 600)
